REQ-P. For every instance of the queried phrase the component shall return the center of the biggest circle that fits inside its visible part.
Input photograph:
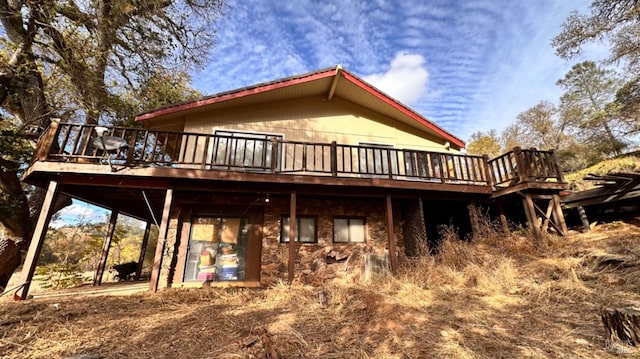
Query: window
(241, 149)
(348, 230)
(217, 249)
(305, 229)
(375, 159)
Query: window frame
(298, 218)
(349, 219)
(229, 140)
(381, 155)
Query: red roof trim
(235, 94)
(268, 86)
(398, 106)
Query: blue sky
(466, 65)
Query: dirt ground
(492, 298)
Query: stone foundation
(325, 260)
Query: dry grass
(492, 297)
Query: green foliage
(160, 89)
(613, 20)
(482, 143)
(14, 146)
(59, 276)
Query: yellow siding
(316, 119)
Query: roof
(333, 81)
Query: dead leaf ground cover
(491, 298)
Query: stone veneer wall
(170, 248)
(324, 260)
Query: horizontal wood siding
(316, 119)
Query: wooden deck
(179, 152)
(148, 158)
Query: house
(356, 178)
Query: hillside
(496, 297)
(629, 162)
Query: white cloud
(76, 213)
(406, 80)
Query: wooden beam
(44, 145)
(37, 240)
(162, 238)
(391, 236)
(559, 216)
(503, 220)
(143, 249)
(292, 237)
(532, 218)
(334, 83)
(97, 278)
(547, 216)
(474, 218)
(583, 218)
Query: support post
(162, 238)
(292, 237)
(474, 218)
(584, 219)
(97, 278)
(29, 266)
(503, 220)
(391, 236)
(143, 249)
(559, 216)
(522, 164)
(44, 145)
(532, 219)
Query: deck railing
(525, 165)
(265, 154)
(271, 154)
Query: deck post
(503, 220)
(106, 245)
(37, 240)
(487, 171)
(162, 238)
(274, 154)
(523, 170)
(532, 218)
(584, 219)
(292, 237)
(559, 216)
(556, 166)
(44, 146)
(474, 218)
(334, 158)
(143, 249)
(391, 236)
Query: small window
(305, 229)
(348, 230)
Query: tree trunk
(622, 325)
(9, 260)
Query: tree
(614, 20)
(589, 92)
(75, 61)
(482, 143)
(540, 126)
(618, 23)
